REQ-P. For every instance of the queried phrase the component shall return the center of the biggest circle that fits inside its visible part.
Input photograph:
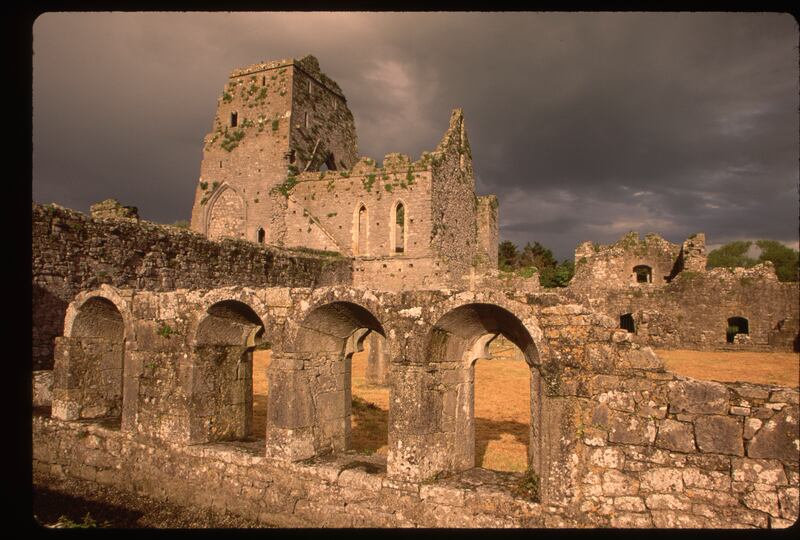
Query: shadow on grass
(49, 506)
(487, 430)
(370, 426)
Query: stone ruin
(143, 339)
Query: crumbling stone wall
(615, 440)
(73, 253)
(454, 206)
(600, 268)
(693, 310)
(488, 232)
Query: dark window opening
(234, 119)
(263, 80)
(399, 228)
(644, 274)
(260, 235)
(736, 325)
(330, 163)
(626, 322)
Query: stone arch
(223, 338)
(398, 227)
(361, 230)
(226, 214)
(92, 376)
(310, 399)
(456, 340)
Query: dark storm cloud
(585, 125)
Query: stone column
(290, 408)
(376, 361)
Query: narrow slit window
(399, 228)
(234, 119)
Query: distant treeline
(534, 258)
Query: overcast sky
(585, 125)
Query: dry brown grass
(733, 366)
(502, 408)
(502, 396)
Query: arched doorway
(458, 339)
(226, 215)
(222, 389)
(89, 377)
(328, 338)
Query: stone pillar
(376, 361)
(290, 408)
(308, 405)
(66, 398)
(423, 420)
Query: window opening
(626, 322)
(644, 274)
(399, 228)
(736, 325)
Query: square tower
(274, 120)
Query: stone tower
(274, 120)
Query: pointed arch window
(360, 230)
(398, 228)
(260, 235)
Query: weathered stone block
(719, 435)
(616, 483)
(672, 519)
(629, 504)
(698, 397)
(696, 478)
(630, 429)
(760, 471)
(778, 438)
(678, 436)
(644, 359)
(765, 501)
(788, 501)
(631, 521)
(662, 480)
(607, 458)
(665, 501)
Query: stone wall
(615, 440)
(330, 201)
(600, 267)
(693, 310)
(274, 119)
(488, 232)
(454, 205)
(72, 252)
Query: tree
(557, 276)
(551, 273)
(507, 255)
(731, 255)
(785, 259)
(537, 255)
